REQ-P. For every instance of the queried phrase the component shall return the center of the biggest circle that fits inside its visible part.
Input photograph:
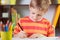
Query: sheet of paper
(5, 15)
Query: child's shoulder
(24, 18)
(46, 21)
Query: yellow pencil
(56, 16)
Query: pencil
(20, 26)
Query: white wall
(24, 11)
(50, 13)
(26, 2)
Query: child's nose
(35, 17)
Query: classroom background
(21, 9)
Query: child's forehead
(37, 10)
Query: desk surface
(50, 38)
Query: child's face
(36, 14)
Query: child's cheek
(32, 16)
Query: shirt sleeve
(51, 31)
(17, 28)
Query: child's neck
(35, 20)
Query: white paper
(5, 15)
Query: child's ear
(45, 11)
(30, 8)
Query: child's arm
(18, 32)
(17, 28)
(37, 35)
(51, 31)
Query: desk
(50, 38)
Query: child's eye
(38, 15)
(33, 13)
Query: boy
(35, 25)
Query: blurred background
(13, 10)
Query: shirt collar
(34, 20)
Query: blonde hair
(40, 4)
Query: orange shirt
(30, 27)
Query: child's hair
(40, 4)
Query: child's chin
(36, 20)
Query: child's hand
(21, 34)
(37, 36)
